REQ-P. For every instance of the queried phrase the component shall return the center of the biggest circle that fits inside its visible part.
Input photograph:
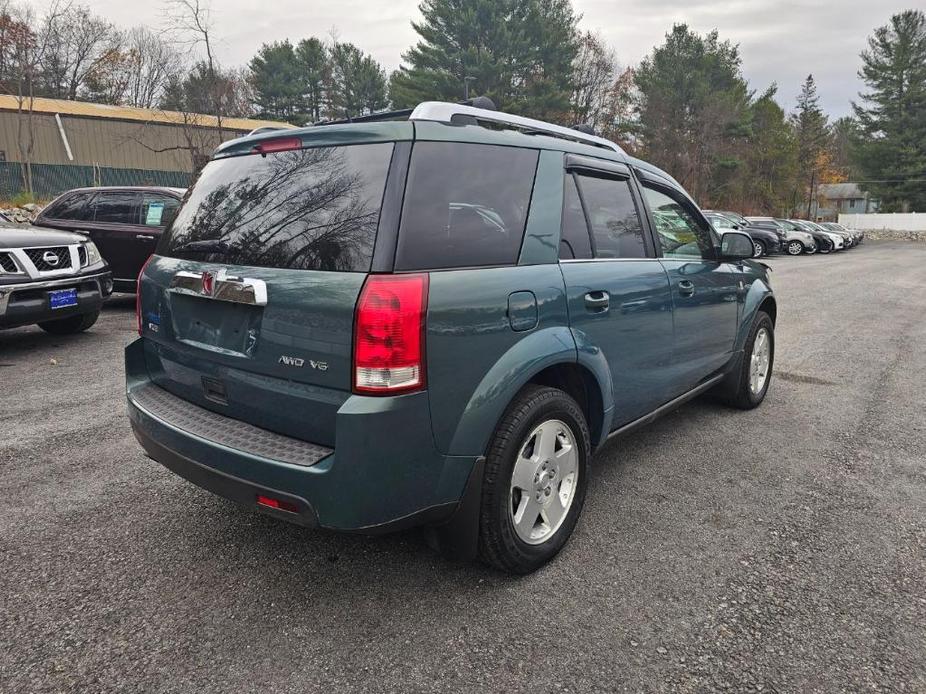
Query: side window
(574, 240)
(465, 205)
(116, 207)
(72, 207)
(721, 222)
(680, 233)
(613, 217)
(157, 210)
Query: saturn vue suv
(434, 320)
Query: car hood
(23, 236)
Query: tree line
(686, 107)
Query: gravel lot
(782, 549)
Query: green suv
(434, 321)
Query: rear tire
(536, 475)
(71, 324)
(746, 386)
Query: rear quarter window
(71, 207)
(306, 209)
(465, 205)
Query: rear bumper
(383, 474)
(27, 303)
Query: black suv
(124, 223)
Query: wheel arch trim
(531, 356)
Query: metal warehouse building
(83, 144)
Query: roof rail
(401, 114)
(445, 112)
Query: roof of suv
(545, 136)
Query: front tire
(536, 476)
(745, 387)
(758, 249)
(71, 324)
(795, 248)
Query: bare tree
(153, 63)
(593, 75)
(76, 43)
(137, 73)
(24, 51)
(191, 24)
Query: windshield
(306, 209)
(737, 219)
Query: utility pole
(466, 81)
(813, 177)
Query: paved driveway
(782, 549)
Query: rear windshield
(465, 205)
(307, 209)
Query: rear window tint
(465, 205)
(307, 209)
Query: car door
(705, 292)
(115, 230)
(617, 291)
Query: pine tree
(693, 107)
(811, 130)
(892, 117)
(314, 70)
(277, 84)
(358, 83)
(770, 167)
(517, 52)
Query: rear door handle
(686, 288)
(146, 237)
(597, 301)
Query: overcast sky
(780, 40)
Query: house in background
(833, 199)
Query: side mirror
(735, 245)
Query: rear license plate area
(62, 298)
(221, 326)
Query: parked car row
(773, 235)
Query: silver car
(794, 242)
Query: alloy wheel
(759, 361)
(757, 250)
(544, 481)
(795, 248)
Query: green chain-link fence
(48, 180)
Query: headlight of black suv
(91, 254)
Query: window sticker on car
(155, 212)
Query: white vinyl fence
(885, 222)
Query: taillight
(389, 334)
(281, 144)
(138, 294)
